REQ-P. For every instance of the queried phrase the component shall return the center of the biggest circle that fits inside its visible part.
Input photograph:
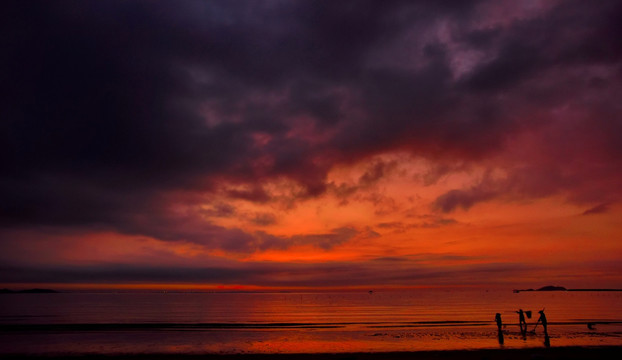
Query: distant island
(29, 291)
(552, 288)
(544, 288)
(561, 288)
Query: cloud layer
(134, 116)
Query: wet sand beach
(569, 353)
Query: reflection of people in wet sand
(499, 326)
(545, 324)
(522, 323)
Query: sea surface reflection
(301, 322)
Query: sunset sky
(310, 144)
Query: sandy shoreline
(570, 353)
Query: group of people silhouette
(522, 324)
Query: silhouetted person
(522, 323)
(545, 324)
(499, 326)
(542, 319)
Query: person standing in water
(522, 323)
(499, 326)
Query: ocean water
(300, 322)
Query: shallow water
(300, 322)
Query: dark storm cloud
(219, 210)
(583, 184)
(427, 222)
(375, 171)
(598, 209)
(112, 109)
(325, 241)
(264, 219)
(461, 198)
(256, 194)
(192, 228)
(529, 48)
(529, 182)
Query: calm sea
(301, 322)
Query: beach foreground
(569, 353)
